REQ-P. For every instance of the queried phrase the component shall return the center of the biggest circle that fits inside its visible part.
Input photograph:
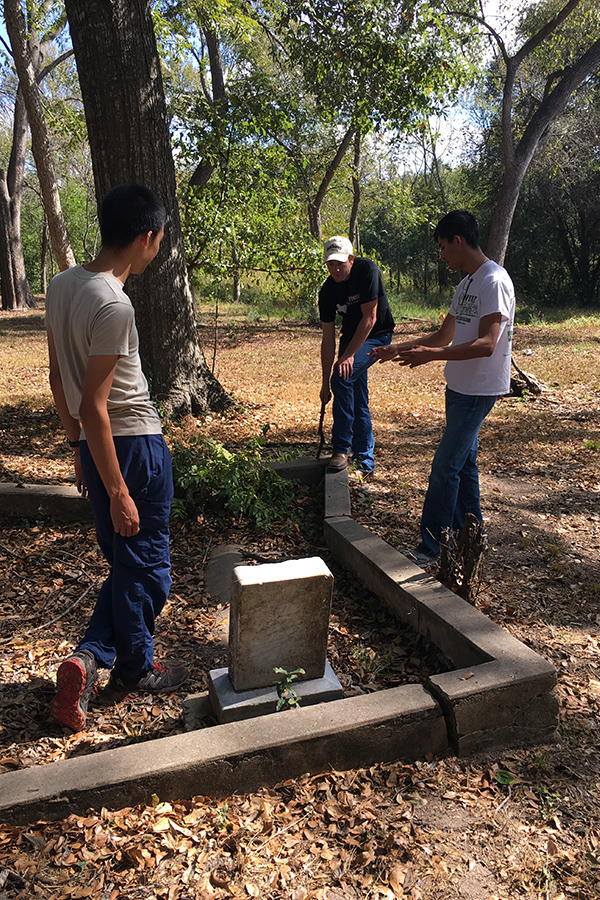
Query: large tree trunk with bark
(121, 85)
(27, 63)
(16, 292)
(504, 211)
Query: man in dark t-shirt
(355, 290)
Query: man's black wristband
(73, 444)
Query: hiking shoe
(161, 677)
(75, 680)
(422, 558)
(338, 462)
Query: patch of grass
(556, 317)
(548, 800)
(244, 312)
(409, 305)
(260, 306)
(542, 764)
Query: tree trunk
(7, 281)
(426, 249)
(517, 158)
(16, 292)
(26, 59)
(237, 276)
(44, 258)
(504, 212)
(205, 168)
(356, 195)
(315, 204)
(121, 85)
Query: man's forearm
(101, 445)
(363, 330)
(480, 347)
(435, 339)
(327, 358)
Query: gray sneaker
(162, 676)
(422, 558)
(165, 675)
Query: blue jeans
(120, 631)
(454, 481)
(352, 428)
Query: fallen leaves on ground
(504, 826)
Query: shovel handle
(320, 430)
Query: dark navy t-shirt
(346, 298)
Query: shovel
(320, 431)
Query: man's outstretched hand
(383, 354)
(416, 356)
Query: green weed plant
(230, 484)
(288, 698)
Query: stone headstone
(279, 618)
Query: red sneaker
(75, 681)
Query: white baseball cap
(339, 248)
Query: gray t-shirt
(90, 314)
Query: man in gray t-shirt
(121, 460)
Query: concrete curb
(500, 694)
(58, 502)
(402, 723)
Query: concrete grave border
(501, 693)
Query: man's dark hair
(460, 222)
(128, 211)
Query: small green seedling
(286, 693)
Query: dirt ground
(436, 830)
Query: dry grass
(23, 374)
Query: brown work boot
(338, 462)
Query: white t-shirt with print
(90, 314)
(489, 290)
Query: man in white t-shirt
(121, 460)
(475, 338)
